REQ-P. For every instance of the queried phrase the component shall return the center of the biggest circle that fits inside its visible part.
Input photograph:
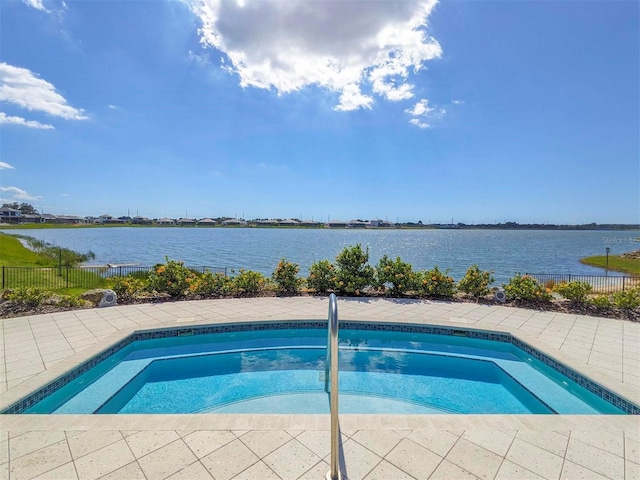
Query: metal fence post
(3, 276)
(623, 283)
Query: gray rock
(100, 297)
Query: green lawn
(13, 253)
(619, 264)
(41, 270)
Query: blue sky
(476, 111)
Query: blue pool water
(282, 371)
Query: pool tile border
(34, 397)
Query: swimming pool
(278, 367)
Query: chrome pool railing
(331, 370)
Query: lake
(506, 252)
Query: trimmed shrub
(248, 283)
(322, 277)
(434, 283)
(353, 272)
(526, 288)
(475, 282)
(396, 273)
(574, 291)
(626, 300)
(211, 285)
(286, 279)
(127, 288)
(27, 296)
(68, 301)
(172, 278)
(601, 301)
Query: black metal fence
(54, 278)
(600, 283)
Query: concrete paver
(127, 447)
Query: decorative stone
(101, 297)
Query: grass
(616, 263)
(14, 253)
(45, 272)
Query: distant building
(10, 215)
(335, 224)
(166, 221)
(137, 220)
(69, 220)
(377, 223)
(309, 223)
(186, 221)
(233, 222)
(31, 218)
(270, 222)
(288, 223)
(207, 222)
(357, 224)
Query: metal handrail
(331, 366)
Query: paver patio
(37, 348)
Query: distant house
(335, 224)
(31, 218)
(186, 221)
(69, 220)
(309, 223)
(207, 222)
(377, 223)
(233, 222)
(357, 224)
(48, 218)
(10, 215)
(289, 223)
(269, 222)
(137, 220)
(105, 218)
(165, 221)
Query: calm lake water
(505, 251)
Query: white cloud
(8, 119)
(457, 102)
(5, 166)
(25, 89)
(37, 4)
(352, 48)
(419, 123)
(420, 109)
(19, 194)
(422, 113)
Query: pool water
(283, 371)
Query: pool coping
(122, 447)
(520, 339)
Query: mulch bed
(11, 310)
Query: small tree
(285, 277)
(396, 273)
(575, 291)
(475, 282)
(172, 278)
(249, 283)
(322, 277)
(434, 283)
(526, 288)
(354, 273)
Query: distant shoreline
(607, 227)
